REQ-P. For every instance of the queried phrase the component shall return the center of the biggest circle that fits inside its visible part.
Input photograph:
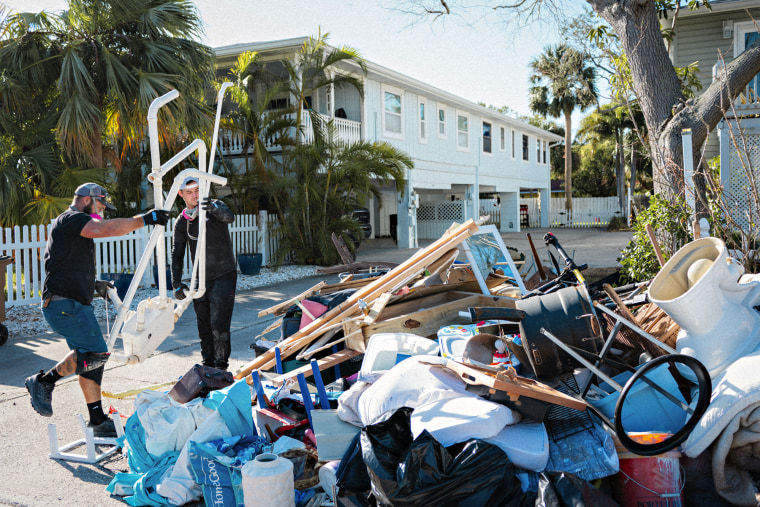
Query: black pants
(214, 313)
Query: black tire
(705, 391)
(3, 334)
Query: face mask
(190, 214)
(96, 216)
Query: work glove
(211, 207)
(156, 217)
(179, 293)
(102, 286)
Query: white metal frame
(141, 332)
(493, 231)
(90, 442)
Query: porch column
(545, 195)
(331, 98)
(510, 212)
(406, 233)
(471, 203)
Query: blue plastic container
(645, 410)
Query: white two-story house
(460, 149)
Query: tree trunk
(96, 147)
(659, 90)
(657, 86)
(568, 161)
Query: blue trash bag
(216, 466)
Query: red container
(648, 480)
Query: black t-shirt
(70, 259)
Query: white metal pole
(688, 169)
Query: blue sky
(479, 59)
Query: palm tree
(95, 69)
(316, 66)
(562, 81)
(331, 180)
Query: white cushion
(455, 420)
(737, 388)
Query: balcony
(347, 131)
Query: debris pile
(443, 382)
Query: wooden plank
(519, 386)
(324, 363)
(343, 251)
(283, 307)
(369, 293)
(427, 321)
(355, 267)
(347, 284)
(274, 325)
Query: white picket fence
(586, 212)
(26, 245)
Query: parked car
(361, 215)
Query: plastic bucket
(648, 480)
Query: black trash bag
(421, 471)
(351, 475)
(562, 489)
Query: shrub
(670, 222)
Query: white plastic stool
(90, 441)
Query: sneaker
(41, 394)
(106, 429)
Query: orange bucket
(648, 480)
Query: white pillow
(455, 420)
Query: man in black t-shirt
(214, 309)
(67, 296)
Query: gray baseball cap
(190, 181)
(96, 192)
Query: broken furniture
(143, 330)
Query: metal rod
(278, 360)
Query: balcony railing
(347, 131)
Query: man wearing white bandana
(214, 309)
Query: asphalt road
(29, 477)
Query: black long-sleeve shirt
(220, 259)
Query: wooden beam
(377, 307)
(281, 308)
(324, 363)
(369, 293)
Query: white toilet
(699, 289)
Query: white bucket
(268, 482)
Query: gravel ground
(27, 320)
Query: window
(486, 137)
(393, 125)
(423, 122)
(538, 151)
(544, 152)
(513, 144)
(441, 122)
(525, 147)
(463, 132)
(745, 33)
(502, 139)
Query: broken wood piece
(304, 310)
(323, 364)
(283, 307)
(655, 244)
(423, 257)
(343, 251)
(274, 325)
(537, 260)
(134, 392)
(624, 311)
(355, 267)
(377, 307)
(442, 265)
(517, 386)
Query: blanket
(735, 453)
